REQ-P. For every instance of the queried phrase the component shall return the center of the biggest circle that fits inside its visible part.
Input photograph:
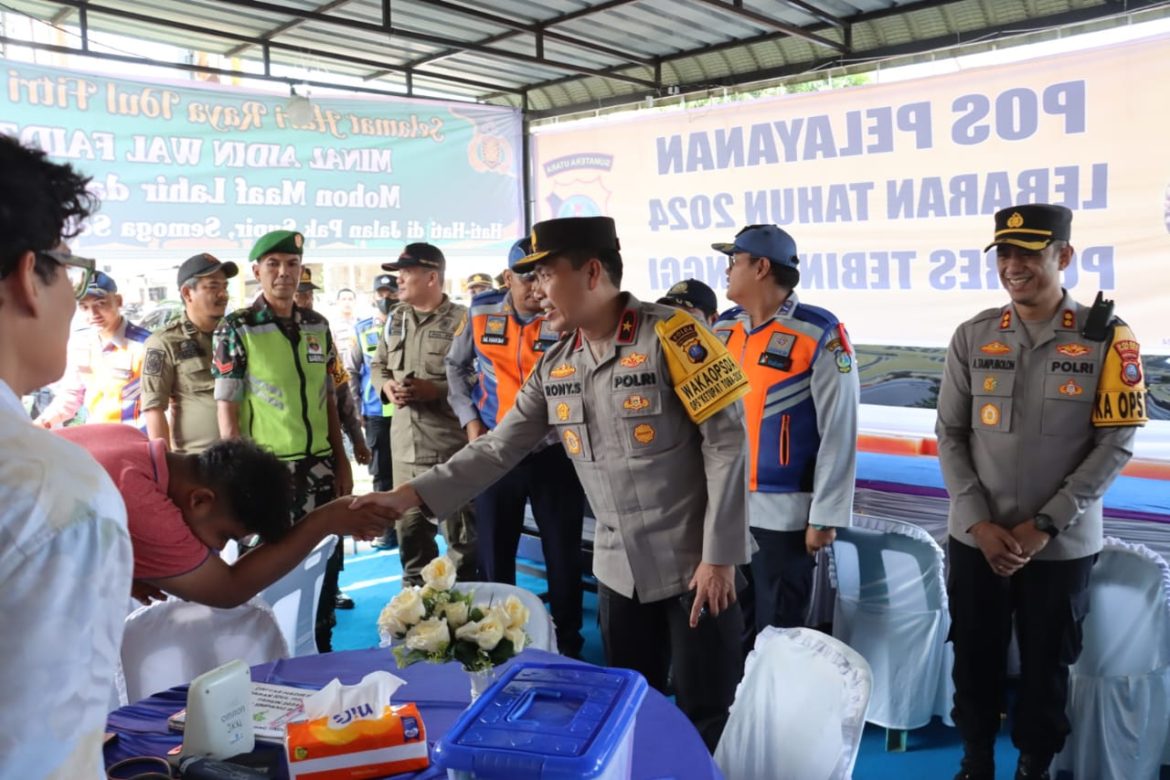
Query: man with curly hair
(65, 557)
(183, 508)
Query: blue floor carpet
(373, 577)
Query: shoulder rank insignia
(627, 331)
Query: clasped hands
(1008, 551)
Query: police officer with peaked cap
(645, 401)
(1037, 413)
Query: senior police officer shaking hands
(176, 372)
(645, 401)
(1036, 417)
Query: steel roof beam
(784, 27)
(280, 28)
(390, 31)
(275, 45)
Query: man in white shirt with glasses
(65, 557)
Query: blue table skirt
(1129, 497)
(666, 745)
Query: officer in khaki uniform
(410, 365)
(1036, 416)
(176, 371)
(645, 401)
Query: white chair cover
(294, 599)
(799, 711)
(892, 608)
(1119, 688)
(172, 642)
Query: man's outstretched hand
(397, 502)
(366, 522)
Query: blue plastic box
(547, 722)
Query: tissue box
(360, 747)
(547, 722)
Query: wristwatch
(1044, 523)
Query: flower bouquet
(437, 624)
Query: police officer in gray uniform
(646, 402)
(1036, 417)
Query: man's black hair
(41, 202)
(610, 259)
(253, 484)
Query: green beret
(287, 242)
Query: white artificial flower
(456, 613)
(439, 574)
(517, 637)
(516, 611)
(406, 609)
(486, 633)
(389, 624)
(429, 636)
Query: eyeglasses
(79, 269)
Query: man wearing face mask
(106, 364)
(176, 372)
(490, 360)
(366, 393)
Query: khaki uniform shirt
(417, 344)
(176, 373)
(1037, 427)
(667, 493)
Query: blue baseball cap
(101, 285)
(763, 241)
(520, 250)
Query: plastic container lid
(545, 722)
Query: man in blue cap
(801, 419)
(273, 384)
(490, 360)
(106, 373)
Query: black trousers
(548, 480)
(1049, 601)
(378, 440)
(656, 639)
(782, 578)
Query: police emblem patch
(636, 403)
(188, 348)
(562, 371)
(153, 364)
(1073, 350)
(563, 411)
(1131, 367)
(644, 433)
(990, 383)
(572, 442)
(687, 338)
(989, 415)
(995, 348)
(632, 360)
(1071, 388)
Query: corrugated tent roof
(554, 56)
